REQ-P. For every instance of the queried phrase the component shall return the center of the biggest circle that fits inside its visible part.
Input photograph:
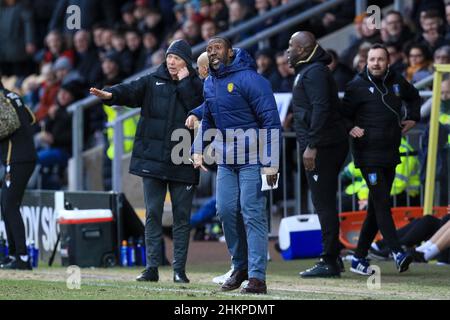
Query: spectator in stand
(360, 60)
(421, 6)
(86, 60)
(341, 73)
(238, 13)
(396, 57)
(150, 42)
(219, 14)
(205, 10)
(92, 11)
(208, 30)
(16, 38)
(192, 32)
(153, 22)
(265, 67)
(396, 30)
(120, 48)
(50, 89)
(180, 16)
(419, 63)
(97, 33)
(432, 31)
(442, 55)
(64, 71)
(107, 46)
(111, 70)
(128, 19)
(134, 44)
(368, 34)
(54, 48)
(141, 10)
(285, 73)
(55, 140)
(334, 19)
(262, 7)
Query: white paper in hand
(265, 186)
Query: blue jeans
(241, 206)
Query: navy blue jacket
(376, 105)
(237, 97)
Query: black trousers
(379, 218)
(323, 182)
(419, 230)
(11, 200)
(181, 195)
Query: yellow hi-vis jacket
(407, 175)
(129, 130)
(444, 119)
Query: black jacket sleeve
(130, 94)
(319, 97)
(190, 91)
(348, 106)
(412, 98)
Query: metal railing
(118, 142)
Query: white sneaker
(221, 279)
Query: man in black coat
(18, 155)
(165, 98)
(322, 138)
(372, 106)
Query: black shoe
(340, 264)
(255, 286)
(149, 274)
(180, 277)
(322, 270)
(6, 260)
(380, 255)
(17, 264)
(417, 256)
(235, 280)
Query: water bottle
(35, 256)
(131, 253)
(30, 249)
(123, 254)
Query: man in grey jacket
(16, 38)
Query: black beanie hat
(182, 49)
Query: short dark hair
(224, 40)
(432, 14)
(398, 13)
(379, 46)
(396, 45)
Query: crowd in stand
(53, 66)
